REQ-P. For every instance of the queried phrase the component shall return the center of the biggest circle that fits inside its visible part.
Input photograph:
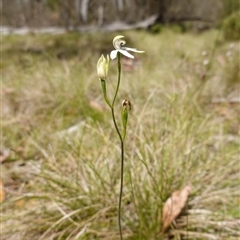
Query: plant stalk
(122, 147)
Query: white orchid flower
(118, 45)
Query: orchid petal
(132, 50)
(118, 42)
(125, 53)
(113, 54)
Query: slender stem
(115, 96)
(119, 77)
(122, 147)
(115, 124)
(121, 190)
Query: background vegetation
(60, 153)
(71, 14)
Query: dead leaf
(2, 193)
(225, 112)
(4, 154)
(130, 64)
(174, 205)
(96, 105)
(24, 202)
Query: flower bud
(126, 107)
(102, 67)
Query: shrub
(231, 26)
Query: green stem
(121, 190)
(119, 78)
(104, 89)
(122, 147)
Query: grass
(62, 176)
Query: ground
(60, 155)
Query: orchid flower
(118, 45)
